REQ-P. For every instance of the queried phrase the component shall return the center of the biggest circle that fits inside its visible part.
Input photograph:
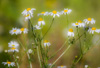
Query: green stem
(60, 56)
(29, 60)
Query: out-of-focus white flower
(17, 57)
(70, 33)
(28, 11)
(43, 13)
(30, 51)
(86, 66)
(6, 51)
(62, 66)
(75, 24)
(13, 49)
(55, 13)
(46, 43)
(13, 44)
(81, 24)
(37, 27)
(66, 11)
(27, 17)
(23, 30)
(93, 29)
(89, 20)
(9, 63)
(14, 31)
(41, 22)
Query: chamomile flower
(66, 11)
(41, 22)
(43, 13)
(89, 20)
(14, 31)
(13, 44)
(9, 63)
(27, 17)
(81, 24)
(23, 30)
(93, 29)
(86, 66)
(54, 13)
(13, 49)
(37, 27)
(61, 66)
(75, 24)
(28, 11)
(46, 43)
(30, 51)
(70, 33)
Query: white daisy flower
(62, 66)
(14, 31)
(13, 49)
(54, 13)
(75, 24)
(43, 13)
(9, 63)
(46, 43)
(70, 33)
(27, 17)
(37, 27)
(89, 20)
(13, 44)
(28, 11)
(93, 29)
(86, 66)
(66, 11)
(41, 22)
(81, 24)
(6, 51)
(17, 57)
(30, 51)
(23, 30)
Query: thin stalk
(48, 28)
(29, 60)
(60, 56)
(39, 56)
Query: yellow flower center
(28, 9)
(46, 41)
(27, 15)
(65, 10)
(13, 45)
(79, 21)
(76, 23)
(14, 30)
(62, 66)
(93, 28)
(42, 12)
(70, 30)
(13, 48)
(22, 29)
(76, 56)
(40, 19)
(89, 19)
(54, 12)
(8, 62)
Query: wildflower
(23, 30)
(28, 11)
(30, 51)
(89, 20)
(9, 63)
(66, 11)
(93, 29)
(70, 33)
(46, 43)
(37, 27)
(81, 24)
(6, 51)
(13, 49)
(55, 13)
(14, 31)
(27, 17)
(75, 24)
(43, 13)
(13, 44)
(86, 66)
(41, 22)
(17, 57)
(61, 66)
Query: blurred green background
(10, 16)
